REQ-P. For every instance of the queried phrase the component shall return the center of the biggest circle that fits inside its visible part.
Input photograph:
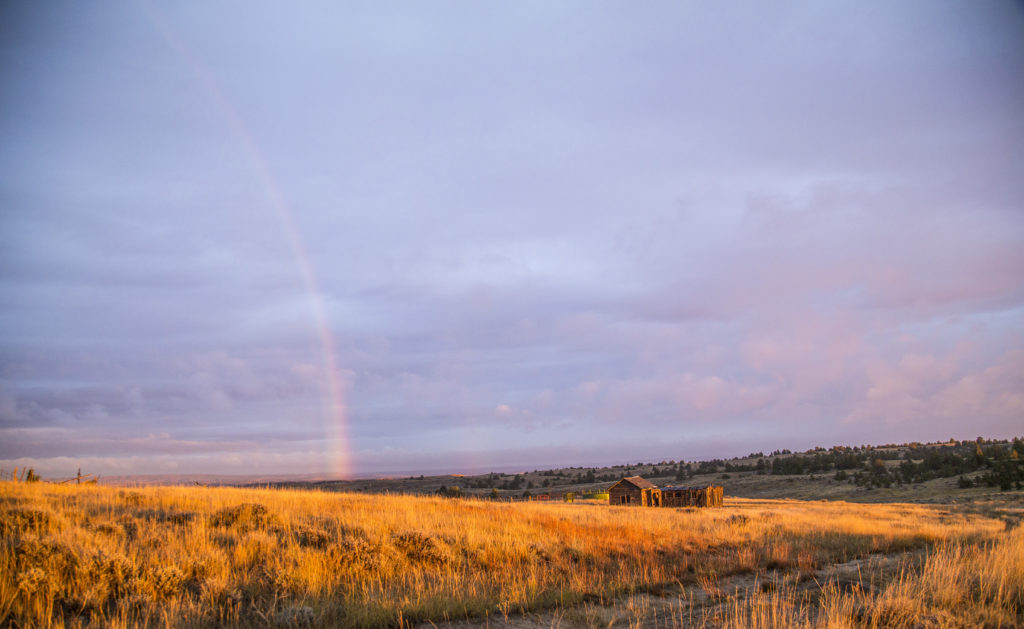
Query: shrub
(248, 515)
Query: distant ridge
(209, 479)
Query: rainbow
(339, 458)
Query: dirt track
(701, 603)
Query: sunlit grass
(182, 557)
(959, 584)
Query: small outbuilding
(635, 491)
(705, 496)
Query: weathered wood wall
(624, 496)
(710, 496)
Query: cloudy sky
(351, 238)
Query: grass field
(198, 557)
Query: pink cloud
(924, 390)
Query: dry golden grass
(184, 557)
(958, 584)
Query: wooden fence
(28, 475)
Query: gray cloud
(530, 230)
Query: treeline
(1002, 464)
(556, 478)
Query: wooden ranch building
(641, 492)
(634, 491)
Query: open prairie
(197, 557)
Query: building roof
(636, 481)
